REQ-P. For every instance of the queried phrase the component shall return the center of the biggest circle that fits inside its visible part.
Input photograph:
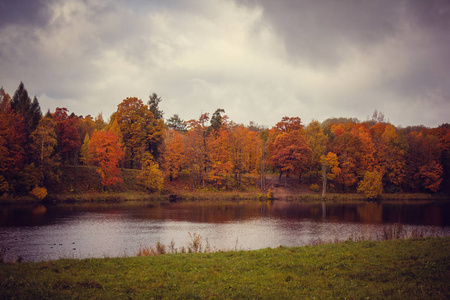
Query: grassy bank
(400, 269)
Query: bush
(39, 193)
(314, 187)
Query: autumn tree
(431, 176)
(330, 122)
(262, 157)
(423, 158)
(347, 178)
(444, 145)
(141, 131)
(198, 149)
(69, 138)
(220, 168)
(371, 186)
(12, 140)
(240, 155)
(354, 148)
(330, 169)
(99, 122)
(288, 149)
(85, 156)
(106, 152)
(151, 176)
(86, 126)
(390, 155)
(44, 144)
(364, 154)
(173, 156)
(316, 140)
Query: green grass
(399, 269)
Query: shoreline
(119, 197)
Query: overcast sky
(259, 60)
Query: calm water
(52, 232)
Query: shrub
(39, 193)
(314, 187)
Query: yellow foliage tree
(330, 169)
(371, 186)
(151, 176)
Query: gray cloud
(405, 42)
(260, 60)
(24, 12)
(322, 32)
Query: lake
(109, 230)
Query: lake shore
(114, 197)
(83, 185)
(401, 269)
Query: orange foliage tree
(106, 151)
(198, 149)
(220, 164)
(173, 156)
(389, 155)
(141, 132)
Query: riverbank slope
(400, 269)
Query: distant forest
(339, 154)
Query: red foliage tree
(12, 139)
(69, 138)
(288, 149)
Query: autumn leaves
(346, 155)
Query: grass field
(397, 269)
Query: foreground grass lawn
(400, 269)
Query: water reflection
(50, 232)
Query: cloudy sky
(259, 60)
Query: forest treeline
(342, 154)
